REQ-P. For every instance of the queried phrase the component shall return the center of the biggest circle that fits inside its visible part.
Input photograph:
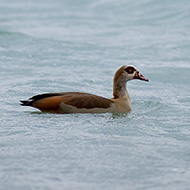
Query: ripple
(148, 106)
(14, 34)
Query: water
(56, 46)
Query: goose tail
(26, 102)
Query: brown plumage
(78, 102)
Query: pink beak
(140, 76)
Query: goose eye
(130, 70)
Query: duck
(81, 102)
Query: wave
(148, 106)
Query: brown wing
(85, 100)
(52, 101)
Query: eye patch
(130, 70)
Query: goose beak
(140, 76)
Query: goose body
(79, 102)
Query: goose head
(123, 75)
(127, 73)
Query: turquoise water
(56, 46)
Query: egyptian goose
(79, 102)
